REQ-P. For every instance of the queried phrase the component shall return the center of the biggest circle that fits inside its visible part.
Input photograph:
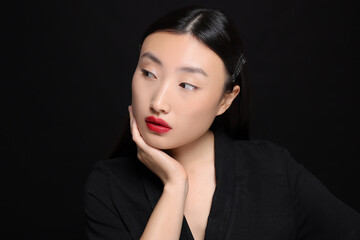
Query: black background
(66, 88)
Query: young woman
(190, 172)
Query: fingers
(137, 138)
(133, 125)
(143, 150)
(156, 160)
(132, 120)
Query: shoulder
(263, 153)
(259, 147)
(120, 171)
(120, 165)
(252, 155)
(260, 159)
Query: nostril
(160, 106)
(160, 99)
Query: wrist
(180, 186)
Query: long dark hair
(217, 31)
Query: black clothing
(261, 193)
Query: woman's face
(179, 80)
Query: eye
(146, 73)
(187, 86)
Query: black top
(261, 193)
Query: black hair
(217, 31)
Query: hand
(165, 167)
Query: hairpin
(238, 67)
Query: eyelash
(183, 84)
(145, 72)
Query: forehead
(175, 50)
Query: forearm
(166, 219)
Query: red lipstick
(157, 124)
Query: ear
(227, 99)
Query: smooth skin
(180, 80)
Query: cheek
(209, 103)
(193, 119)
(201, 114)
(134, 93)
(138, 100)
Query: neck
(197, 152)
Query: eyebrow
(193, 70)
(152, 57)
(184, 69)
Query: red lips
(157, 124)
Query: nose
(160, 100)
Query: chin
(158, 141)
(159, 144)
